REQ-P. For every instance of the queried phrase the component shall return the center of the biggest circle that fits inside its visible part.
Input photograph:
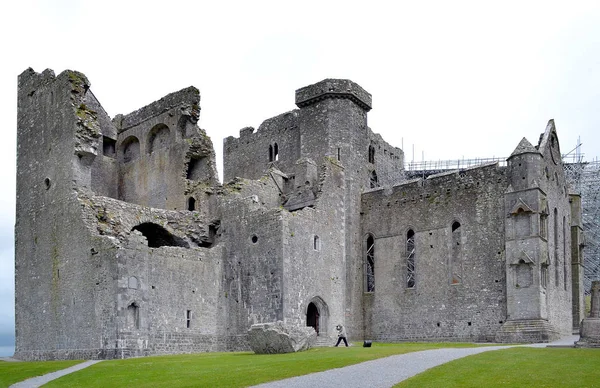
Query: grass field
(13, 372)
(516, 367)
(228, 369)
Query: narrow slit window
(371, 154)
(456, 259)
(270, 153)
(191, 204)
(275, 152)
(370, 264)
(316, 243)
(188, 316)
(410, 259)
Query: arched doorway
(317, 315)
(312, 317)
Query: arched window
(456, 270)
(373, 181)
(275, 152)
(270, 153)
(371, 154)
(370, 264)
(133, 316)
(191, 204)
(556, 259)
(565, 267)
(410, 259)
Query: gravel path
(389, 371)
(380, 373)
(41, 380)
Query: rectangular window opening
(189, 318)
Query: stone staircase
(527, 331)
(324, 342)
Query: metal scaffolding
(583, 178)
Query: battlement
(333, 88)
(188, 99)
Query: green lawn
(516, 367)
(227, 369)
(13, 372)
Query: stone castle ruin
(128, 245)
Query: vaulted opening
(158, 137)
(130, 149)
(158, 236)
(197, 169)
(109, 146)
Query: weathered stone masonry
(127, 244)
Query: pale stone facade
(128, 245)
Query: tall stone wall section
(54, 264)
(453, 298)
(314, 261)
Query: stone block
(278, 337)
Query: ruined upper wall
(188, 100)
(276, 143)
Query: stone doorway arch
(317, 313)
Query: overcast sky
(453, 79)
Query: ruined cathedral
(127, 244)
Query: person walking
(341, 335)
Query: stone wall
(458, 293)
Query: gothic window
(371, 154)
(373, 181)
(410, 259)
(370, 264)
(556, 259)
(565, 272)
(456, 272)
